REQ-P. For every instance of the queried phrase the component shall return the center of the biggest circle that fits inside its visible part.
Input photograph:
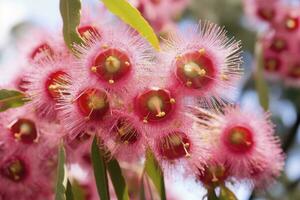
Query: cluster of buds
(280, 40)
(118, 88)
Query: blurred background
(17, 16)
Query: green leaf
(78, 191)
(60, 188)
(211, 194)
(100, 172)
(154, 171)
(117, 179)
(11, 99)
(133, 17)
(70, 12)
(260, 82)
(226, 194)
(69, 192)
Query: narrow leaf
(260, 82)
(60, 188)
(11, 99)
(211, 194)
(69, 191)
(227, 194)
(117, 179)
(78, 192)
(70, 12)
(100, 172)
(155, 173)
(133, 17)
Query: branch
(290, 138)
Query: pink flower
(246, 142)
(84, 106)
(23, 175)
(115, 58)
(215, 174)
(180, 147)
(123, 137)
(258, 10)
(45, 84)
(202, 62)
(38, 44)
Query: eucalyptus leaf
(60, 188)
(260, 82)
(70, 12)
(11, 99)
(117, 179)
(226, 194)
(155, 173)
(133, 17)
(69, 191)
(100, 172)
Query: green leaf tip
(131, 16)
(11, 99)
(70, 11)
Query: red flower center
(14, 169)
(42, 48)
(87, 31)
(93, 103)
(294, 71)
(55, 84)
(174, 146)
(24, 130)
(278, 44)
(125, 132)
(272, 64)
(111, 65)
(154, 105)
(266, 14)
(195, 70)
(239, 139)
(291, 23)
(214, 175)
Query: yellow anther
(224, 77)
(53, 87)
(104, 46)
(18, 136)
(145, 120)
(202, 72)
(161, 114)
(127, 63)
(94, 69)
(172, 101)
(202, 51)
(178, 57)
(290, 23)
(111, 81)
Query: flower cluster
(280, 40)
(118, 88)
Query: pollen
(94, 69)
(172, 101)
(105, 46)
(202, 51)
